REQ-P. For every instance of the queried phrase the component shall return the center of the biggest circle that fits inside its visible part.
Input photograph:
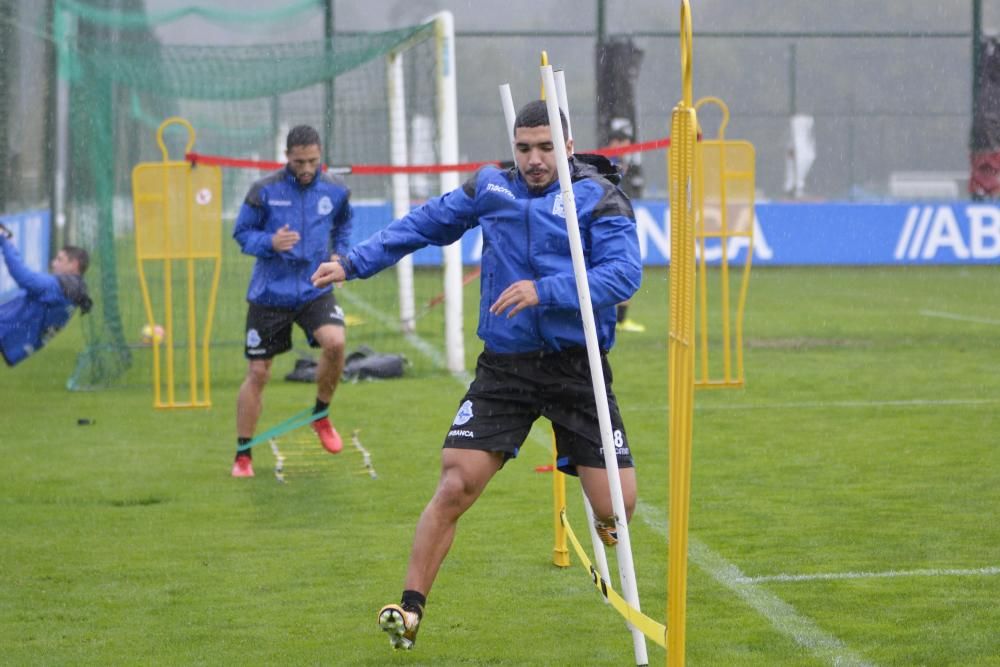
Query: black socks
(246, 452)
(413, 601)
(320, 406)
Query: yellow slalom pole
(560, 550)
(683, 139)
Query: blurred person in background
(617, 139)
(45, 302)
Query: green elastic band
(297, 420)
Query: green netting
(241, 101)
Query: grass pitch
(843, 503)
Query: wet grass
(865, 443)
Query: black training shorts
(269, 330)
(511, 391)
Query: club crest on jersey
(324, 206)
(464, 414)
(557, 206)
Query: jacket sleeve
(614, 264)
(439, 221)
(34, 283)
(340, 233)
(249, 230)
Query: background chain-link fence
(889, 85)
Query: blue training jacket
(320, 212)
(43, 306)
(524, 237)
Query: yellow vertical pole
(560, 550)
(206, 339)
(727, 354)
(168, 290)
(702, 289)
(682, 157)
(192, 315)
(147, 303)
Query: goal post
(444, 32)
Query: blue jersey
(320, 212)
(525, 237)
(42, 307)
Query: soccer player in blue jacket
(45, 302)
(535, 361)
(291, 221)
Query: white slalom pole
(509, 115)
(563, 100)
(626, 568)
(600, 556)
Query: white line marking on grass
(939, 572)
(960, 318)
(798, 405)
(782, 616)
(418, 343)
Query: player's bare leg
(464, 475)
(332, 340)
(595, 485)
(249, 403)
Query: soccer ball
(152, 333)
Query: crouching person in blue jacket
(534, 361)
(44, 303)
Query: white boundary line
(960, 318)
(798, 405)
(782, 616)
(938, 572)
(418, 343)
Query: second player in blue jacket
(292, 221)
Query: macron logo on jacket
(493, 187)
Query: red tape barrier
(382, 169)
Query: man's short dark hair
(536, 114)
(78, 255)
(620, 135)
(302, 135)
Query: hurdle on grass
(626, 568)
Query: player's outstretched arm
(28, 280)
